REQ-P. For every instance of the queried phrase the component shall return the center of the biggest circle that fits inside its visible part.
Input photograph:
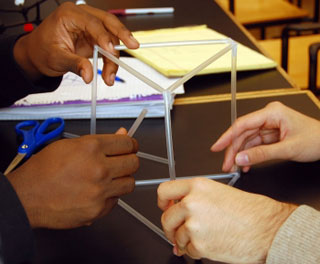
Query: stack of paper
(72, 100)
(179, 60)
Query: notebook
(179, 60)
(72, 99)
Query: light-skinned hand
(72, 182)
(65, 39)
(274, 132)
(215, 221)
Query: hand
(72, 182)
(274, 132)
(219, 222)
(65, 39)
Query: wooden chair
(263, 13)
(298, 54)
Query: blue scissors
(34, 135)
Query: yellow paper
(179, 60)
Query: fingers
(249, 139)
(114, 26)
(260, 154)
(118, 31)
(93, 27)
(119, 166)
(235, 146)
(181, 240)
(119, 187)
(250, 121)
(113, 144)
(172, 190)
(171, 219)
(109, 71)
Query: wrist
(26, 198)
(22, 58)
(276, 220)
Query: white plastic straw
(143, 220)
(177, 43)
(152, 157)
(137, 123)
(212, 177)
(94, 92)
(234, 83)
(167, 107)
(234, 103)
(131, 70)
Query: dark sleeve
(16, 236)
(15, 84)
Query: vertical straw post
(234, 82)
(234, 102)
(94, 92)
(167, 96)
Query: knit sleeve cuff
(298, 239)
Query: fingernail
(175, 251)
(111, 47)
(242, 159)
(112, 77)
(121, 131)
(83, 75)
(133, 39)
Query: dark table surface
(186, 13)
(118, 237)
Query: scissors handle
(36, 136)
(27, 129)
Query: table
(119, 238)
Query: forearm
(17, 245)
(298, 239)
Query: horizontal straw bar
(131, 70)
(143, 220)
(212, 177)
(152, 157)
(177, 43)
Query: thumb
(259, 154)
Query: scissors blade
(15, 162)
